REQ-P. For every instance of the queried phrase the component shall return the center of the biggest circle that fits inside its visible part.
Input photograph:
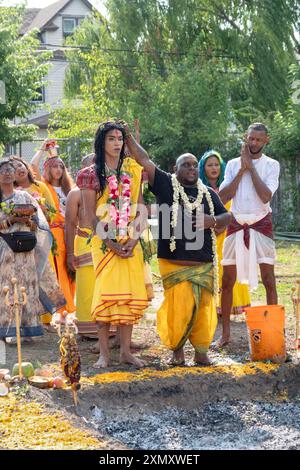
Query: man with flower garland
(187, 261)
(111, 190)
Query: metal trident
(15, 303)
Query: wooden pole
(15, 304)
(296, 305)
(298, 316)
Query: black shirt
(186, 248)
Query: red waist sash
(263, 226)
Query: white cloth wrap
(261, 250)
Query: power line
(216, 53)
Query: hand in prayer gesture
(246, 160)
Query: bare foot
(29, 340)
(49, 328)
(114, 343)
(223, 341)
(128, 358)
(95, 349)
(177, 358)
(102, 363)
(134, 345)
(202, 359)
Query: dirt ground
(121, 398)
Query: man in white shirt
(250, 182)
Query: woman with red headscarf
(59, 183)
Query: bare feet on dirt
(128, 358)
(114, 343)
(202, 359)
(224, 340)
(102, 362)
(177, 358)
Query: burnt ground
(236, 404)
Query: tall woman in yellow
(59, 183)
(211, 173)
(111, 188)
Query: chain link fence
(285, 203)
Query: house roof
(29, 15)
(41, 121)
(40, 17)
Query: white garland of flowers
(179, 192)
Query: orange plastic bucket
(266, 333)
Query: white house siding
(74, 9)
(54, 90)
(56, 75)
(55, 37)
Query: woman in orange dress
(59, 183)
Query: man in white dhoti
(250, 181)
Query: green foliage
(188, 69)
(195, 73)
(22, 70)
(285, 146)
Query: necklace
(179, 193)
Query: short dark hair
(258, 126)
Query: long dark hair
(31, 179)
(100, 151)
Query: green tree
(22, 70)
(189, 69)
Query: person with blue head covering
(211, 172)
(212, 169)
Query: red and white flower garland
(119, 201)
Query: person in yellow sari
(59, 184)
(111, 190)
(211, 173)
(187, 258)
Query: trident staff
(15, 303)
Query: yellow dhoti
(188, 310)
(85, 282)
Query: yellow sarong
(120, 295)
(188, 310)
(241, 296)
(85, 282)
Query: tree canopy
(195, 72)
(22, 70)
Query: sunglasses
(8, 170)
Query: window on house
(69, 25)
(40, 96)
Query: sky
(44, 3)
